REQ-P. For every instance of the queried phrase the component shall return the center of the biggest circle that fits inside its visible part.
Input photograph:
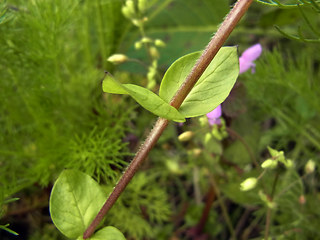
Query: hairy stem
(208, 54)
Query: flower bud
(117, 58)
(130, 5)
(186, 136)
(138, 45)
(203, 121)
(269, 163)
(154, 53)
(142, 5)
(266, 200)
(128, 10)
(196, 152)
(310, 167)
(302, 199)
(173, 167)
(248, 184)
(207, 137)
(288, 163)
(159, 43)
(137, 22)
(146, 40)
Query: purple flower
(248, 56)
(214, 116)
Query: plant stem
(268, 217)
(247, 147)
(223, 207)
(208, 54)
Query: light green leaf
(75, 200)
(212, 88)
(144, 97)
(108, 233)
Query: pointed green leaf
(212, 88)
(75, 200)
(108, 233)
(144, 97)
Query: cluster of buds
(277, 160)
(277, 157)
(134, 11)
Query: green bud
(151, 84)
(173, 167)
(154, 53)
(203, 121)
(186, 136)
(146, 40)
(207, 137)
(130, 5)
(159, 43)
(216, 133)
(138, 45)
(142, 5)
(196, 152)
(137, 22)
(117, 58)
(248, 184)
(310, 167)
(126, 12)
(269, 163)
(288, 163)
(266, 200)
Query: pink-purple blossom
(248, 56)
(245, 63)
(214, 116)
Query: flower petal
(214, 116)
(252, 53)
(215, 113)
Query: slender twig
(208, 54)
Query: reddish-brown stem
(208, 54)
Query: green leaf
(144, 97)
(108, 233)
(75, 200)
(5, 227)
(212, 88)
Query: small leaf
(5, 227)
(75, 200)
(212, 88)
(108, 233)
(147, 99)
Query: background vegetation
(53, 116)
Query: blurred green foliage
(53, 116)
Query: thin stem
(241, 139)
(268, 217)
(205, 213)
(223, 207)
(208, 54)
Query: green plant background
(54, 116)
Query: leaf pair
(212, 88)
(75, 200)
